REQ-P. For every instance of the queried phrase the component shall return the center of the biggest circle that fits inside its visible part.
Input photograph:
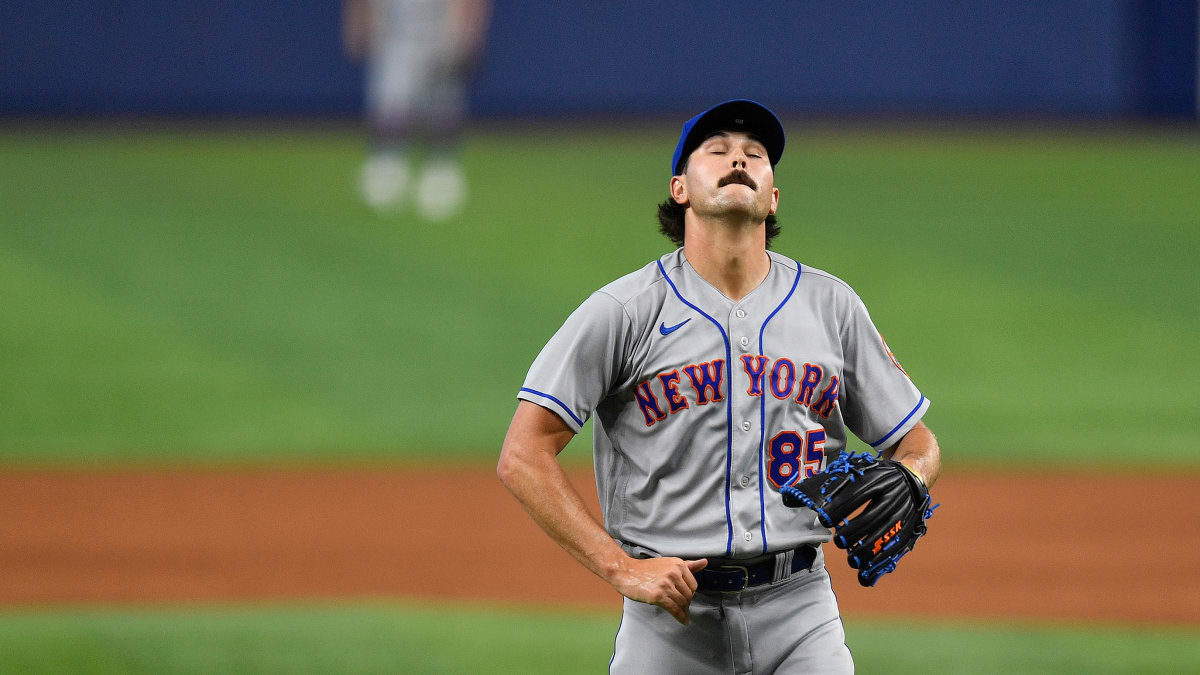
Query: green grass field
(187, 295)
(398, 638)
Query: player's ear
(678, 190)
(774, 200)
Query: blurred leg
(442, 188)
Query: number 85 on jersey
(790, 454)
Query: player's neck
(733, 260)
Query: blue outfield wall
(1078, 58)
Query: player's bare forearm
(468, 24)
(919, 451)
(356, 26)
(530, 470)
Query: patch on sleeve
(892, 356)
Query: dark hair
(670, 222)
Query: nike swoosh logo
(662, 327)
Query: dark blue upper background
(1078, 58)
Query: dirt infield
(1077, 547)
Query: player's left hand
(896, 505)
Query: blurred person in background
(419, 56)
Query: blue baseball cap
(736, 115)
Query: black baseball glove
(897, 504)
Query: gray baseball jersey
(704, 407)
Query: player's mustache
(738, 176)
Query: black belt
(729, 577)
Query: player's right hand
(669, 583)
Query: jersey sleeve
(580, 364)
(881, 403)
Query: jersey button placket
(744, 504)
(743, 341)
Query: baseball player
(419, 54)
(717, 375)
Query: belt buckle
(745, 577)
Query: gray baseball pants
(791, 626)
